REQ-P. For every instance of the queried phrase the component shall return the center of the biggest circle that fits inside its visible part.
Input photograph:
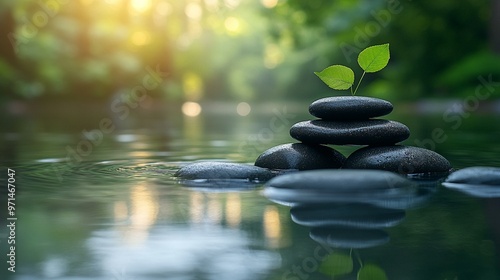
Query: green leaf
(371, 272)
(337, 77)
(336, 264)
(375, 58)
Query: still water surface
(120, 214)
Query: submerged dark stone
(349, 108)
(476, 175)
(223, 170)
(400, 159)
(481, 182)
(300, 156)
(367, 132)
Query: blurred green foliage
(241, 49)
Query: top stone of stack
(349, 108)
(348, 120)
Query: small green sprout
(371, 59)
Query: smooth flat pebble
(367, 132)
(223, 170)
(477, 181)
(479, 175)
(300, 156)
(350, 108)
(399, 159)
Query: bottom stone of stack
(397, 158)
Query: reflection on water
(272, 226)
(141, 215)
(233, 210)
(196, 208)
(344, 217)
(356, 215)
(476, 190)
(119, 213)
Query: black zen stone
(223, 170)
(349, 108)
(300, 156)
(476, 176)
(399, 159)
(367, 132)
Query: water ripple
(49, 172)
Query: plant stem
(359, 83)
(351, 90)
(359, 258)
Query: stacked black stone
(350, 120)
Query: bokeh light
(193, 11)
(192, 84)
(232, 4)
(163, 8)
(243, 109)
(140, 6)
(269, 3)
(233, 25)
(191, 109)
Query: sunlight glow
(191, 109)
(269, 3)
(193, 11)
(86, 2)
(141, 6)
(192, 84)
(140, 38)
(232, 4)
(163, 8)
(140, 154)
(212, 5)
(113, 2)
(232, 25)
(243, 109)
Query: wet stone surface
(223, 170)
(349, 108)
(399, 159)
(300, 156)
(367, 132)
